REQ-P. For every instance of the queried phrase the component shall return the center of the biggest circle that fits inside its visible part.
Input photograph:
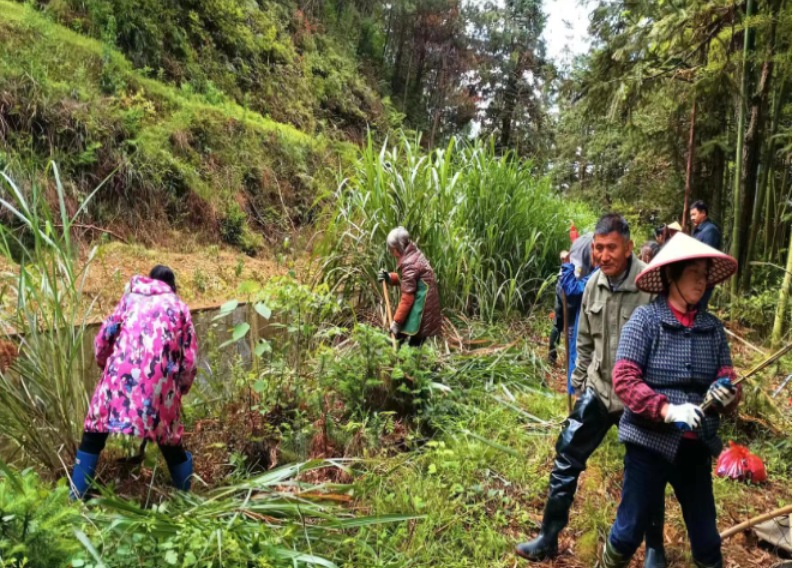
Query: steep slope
(174, 157)
(264, 54)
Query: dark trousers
(646, 474)
(413, 340)
(584, 431)
(94, 443)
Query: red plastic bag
(738, 463)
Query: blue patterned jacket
(677, 362)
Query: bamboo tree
(761, 193)
(748, 47)
(784, 296)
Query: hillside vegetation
(172, 156)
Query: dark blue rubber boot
(83, 474)
(182, 474)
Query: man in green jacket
(607, 303)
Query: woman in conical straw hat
(673, 356)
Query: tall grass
(43, 396)
(490, 225)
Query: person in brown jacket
(418, 315)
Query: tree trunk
(784, 296)
(689, 174)
(509, 105)
(750, 173)
(770, 202)
(748, 47)
(754, 192)
(775, 251)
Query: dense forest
(264, 150)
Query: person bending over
(418, 315)
(147, 352)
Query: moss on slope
(172, 156)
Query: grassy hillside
(176, 157)
(267, 55)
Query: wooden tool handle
(389, 311)
(756, 521)
(388, 304)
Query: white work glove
(722, 392)
(394, 329)
(684, 416)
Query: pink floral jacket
(147, 352)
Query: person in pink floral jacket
(147, 352)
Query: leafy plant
(273, 519)
(37, 522)
(44, 396)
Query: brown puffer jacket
(414, 267)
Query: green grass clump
(491, 225)
(178, 157)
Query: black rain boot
(611, 558)
(655, 547)
(545, 545)
(698, 564)
(655, 558)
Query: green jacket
(602, 317)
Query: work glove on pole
(394, 329)
(383, 276)
(684, 416)
(722, 392)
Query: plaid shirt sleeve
(631, 359)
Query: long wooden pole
(786, 510)
(389, 313)
(760, 367)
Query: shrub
(490, 225)
(37, 523)
(372, 377)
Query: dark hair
(658, 232)
(164, 274)
(677, 269)
(612, 223)
(653, 246)
(701, 206)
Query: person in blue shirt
(705, 231)
(574, 276)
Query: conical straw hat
(675, 226)
(684, 247)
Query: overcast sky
(566, 32)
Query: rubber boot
(698, 564)
(545, 545)
(611, 558)
(655, 547)
(83, 474)
(182, 474)
(655, 558)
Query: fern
(36, 523)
